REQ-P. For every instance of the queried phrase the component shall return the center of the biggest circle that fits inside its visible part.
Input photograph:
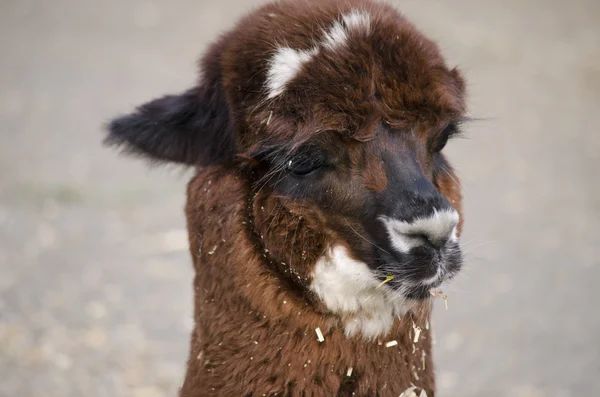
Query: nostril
(421, 237)
(429, 240)
(439, 242)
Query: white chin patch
(348, 287)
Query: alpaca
(323, 213)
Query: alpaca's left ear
(192, 128)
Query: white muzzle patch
(440, 226)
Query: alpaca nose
(433, 231)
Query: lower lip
(419, 293)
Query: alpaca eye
(440, 143)
(306, 162)
(442, 138)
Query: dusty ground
(95, 295)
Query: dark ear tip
(117, 131)
(118, 136)
(190, 128)
(111, 129)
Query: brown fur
(374, 175)
(255, 337)
(255, 237)
(404, 83)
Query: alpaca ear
(192, 128)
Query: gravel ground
(95, 279)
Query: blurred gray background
(95, 279)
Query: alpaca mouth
(419, 290)
(419, 273)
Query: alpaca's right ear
(192, 128)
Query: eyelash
(444, 136)
(309, 164)
(305, 164)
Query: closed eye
(441, 139)
(306, 161)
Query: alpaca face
(377, 198)
(356, 115)
(337, 112)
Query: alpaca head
(336, 114)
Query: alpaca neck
(254, 336)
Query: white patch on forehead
(358, 20)
(337, 36)
(283, 67)
(348, 287)
(287, 62)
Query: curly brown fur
(317, 130)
